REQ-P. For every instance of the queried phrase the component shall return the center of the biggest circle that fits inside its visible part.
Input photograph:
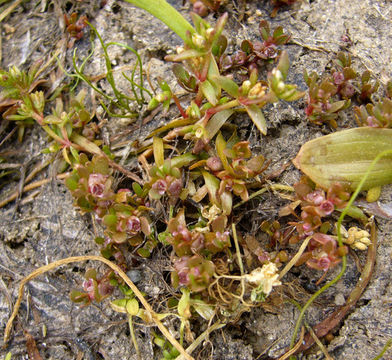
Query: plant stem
(132, 331)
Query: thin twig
(296, 257)
(154, 316)
(10, 9)
(29, 187)
(203, 336)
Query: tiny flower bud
(133, 225)
(160, 186)
(214, 163)
(96, 184)
(326, 208)
(246, 85)
(316, 197)
(209, 33)
(200, 9)
(359, 246)
(338, 77)
(198, 40)
(175, 188)
(257, 91)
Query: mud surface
(44, 226)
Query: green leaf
(158, 150)
(185, 55)
(257, 117)
(345, 156)
(183, 306)
(227, 84)
(284, 64)
(110, 220)
(132, 307)
(206, 311)
(119, 305)
(182, 160)
(227, 202)
(216, 122)
(220, 145)
(167, 14)
(212, 184)
(72, 182)
(209, 92)
(145, 253)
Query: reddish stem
(180, 108)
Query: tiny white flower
(266, 276)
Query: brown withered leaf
(31, 347)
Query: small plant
(95, 289)
(16, 96)
(332, 93)
(377, 115)
(75, 26)
(253, 55)
(320, 104)
(193, 179)
(123, 213)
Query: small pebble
(134, 275)
(339, 299)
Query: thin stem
(132, 331)
(240, 264)
(263, 190)
(384, 349)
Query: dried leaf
(31, 347)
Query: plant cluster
(333, 92)
(315, 206)
(253, 55)
(379, 114)
(75, 26)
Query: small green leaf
(227, 84)
(72, 182)
(145, 253)
(183, 306)
(257, 117)
(284, 64)
(212, 184)
(187, 54)
(110, 220)
(209, 92)
(158, 151)
(216, 122)
(119, 305)
(132, 307)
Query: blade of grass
(167, 14)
